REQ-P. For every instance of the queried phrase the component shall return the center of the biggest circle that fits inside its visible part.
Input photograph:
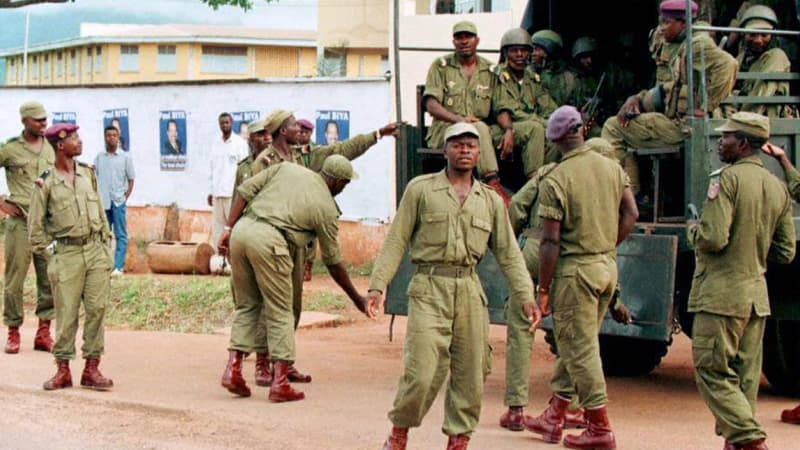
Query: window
(60, 64)
(335, 63)
(128, 58)
(73, 63)
(98, 60)
(218, 59)
(89, 63)
(471, 6)
(35, 67)
(46, 67)
(12, 71)
(166, 61)
(385, 65)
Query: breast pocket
(482, 103)
(94, 209)
(454, 101)
(478, 236)
(433, 230)
(62, 216)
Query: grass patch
(363, 270)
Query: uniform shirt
(746, 218)
(560, 83)
(23, 166)
(225, 156)
(61, 210)
(466, 97)
(773, 60)
(244, 170)
(524, 204)
(793, 182)
(313, 156)
(113, 172)
(440, 231)
(524, 99)
(584, 193)
(297, 202)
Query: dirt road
(167, 395)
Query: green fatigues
(773, 60)
(519, 340)
(793, 182)
(747, 218)
(656, 129)
(22, 167)
(529, 105)
(584, 193)
(560, 83)
(466, 97)
(448, 320)
(79, 269)
(288, 205)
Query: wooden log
(179, 257)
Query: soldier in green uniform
(520, 103)
(747, 219)
(587, 70)
(24, 157)
(448, 220)
(66, 221)
(587, 209)
(459, 88)
(548, 62)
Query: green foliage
(244, 4)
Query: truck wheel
(623, 356)
(782, 356)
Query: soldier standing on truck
(520, 103)
(747, 219)
(547, 61)
(655, 118)
(459, 88)
(587, 209)
(448, 220)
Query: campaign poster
(65, 117)
(240, 121)
(172, 136)
(332, 127)
(118, 118)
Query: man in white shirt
(225, 155)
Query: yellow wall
(308, 62)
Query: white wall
(371, 196)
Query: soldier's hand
(390, 129)
(532, 312)
(471, 119)
(620, 314)
(374, 303)
(543, 300)
(629, 109)
(224, 242)
(773, 150)
(506, 145)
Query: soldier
(587, 70)
(790, 172)
(587, 209)
(520, 103)
(67, 222)
(24, 157)
(265, 245)
(655, 118)
(547, 61)
(729, 291)
(459, 88)
(448, 220)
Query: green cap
(34, 110)
(748, 123)
(459, 128)
(275, 119)
(256, 125)
(339, 167)
(465, 26)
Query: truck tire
(623, 356)
(782, 356)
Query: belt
(446, 271)
(78, 240)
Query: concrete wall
(368, 101)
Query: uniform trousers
(18, 256)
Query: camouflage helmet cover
(583, 45)
(549, 40)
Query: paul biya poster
(172, 137)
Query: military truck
(655, 263)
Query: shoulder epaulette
(88, 166)
(443, 61)
(546, 170)
(11, 139)
(717, 172)
(243, 160)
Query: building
(353, 37)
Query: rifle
(590, 109)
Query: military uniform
(773, 60)
(23, 166)
(560, 83)
(80, 267)
(793, 182)
(729, 291)
(529, 105)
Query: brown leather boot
(550, 424)
(758, 444)
(281, 390)
(296, 377)
(458, 442)
(43, 341)
(307, 270)
(397, 440)
(62, 379)
(512, 418)
(598, 435)
(92, 378)
(263, 370)
(232, 379)
(12, 344)
(494, 183)
(575, 419)
(791, 415)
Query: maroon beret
(305, 124)
(59, 131)
(676, 9)
(562, 121)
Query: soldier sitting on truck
(655, 118)
(546, 60)
(520, 103)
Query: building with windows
(353, 37)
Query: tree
(244, 4)
(21, 3)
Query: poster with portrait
(65, 117)
(118, 118)
(240, 121)
(332, 127)
(172, 140)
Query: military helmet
(759, 12)
(549, 40)
(583, 45)
(515, 36)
